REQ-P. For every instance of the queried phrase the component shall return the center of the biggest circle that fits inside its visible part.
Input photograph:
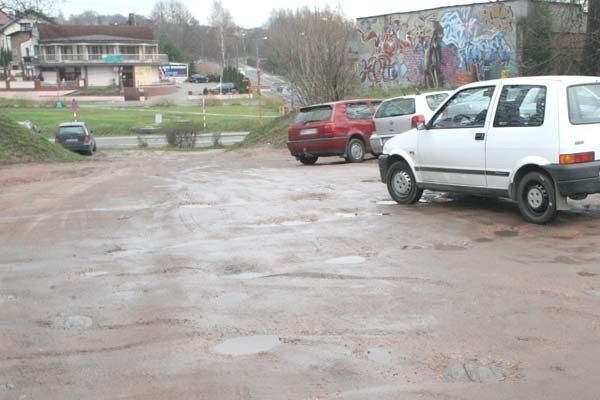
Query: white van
(534, 140)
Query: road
(204, 140)
(245, 275)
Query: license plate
(72, 140)
(309, 131)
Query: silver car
(397, 115)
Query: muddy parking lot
(244, 275)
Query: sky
(250, 14)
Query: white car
(534, 140)
(397, 115)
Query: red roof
(56, 32)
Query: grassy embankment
(127, 120)
(20, 145)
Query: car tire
(536, 197)
(308, 159)
(402, 185)
(355, 151)
(95, 148)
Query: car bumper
(318, 147)
(383, 166)
(377, 143)
(575, 179)
(78, 146)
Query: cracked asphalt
(245, 275)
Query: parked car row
(532, 140)
(353, 128)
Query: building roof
(94, 33)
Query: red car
(334, 129)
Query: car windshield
(395, 107)
(584, 104)
(321, 113)
(71, 130)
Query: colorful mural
(434, 48)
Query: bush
(182, 134)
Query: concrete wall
(440, 47)
(101, 76)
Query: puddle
(7, 299)
(346, 215)
(350, 260)
(246, 275)
(587, 274)
(379, 355)
(93, 274)
(77, 322)
(232, 299)
(506, 233)
(593, 292)
(448, 247)
(247, 345)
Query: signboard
(173, 71)
(112, 58)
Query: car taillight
(416, 119)
(86, 139)
(328, 128)
(577, 158)
(56, 139)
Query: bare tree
(223, 25)
(312, 49)
(591, 52)
(16, 7)
(174, 21)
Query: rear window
(584, 104)
(434, 100)
(321, 113)
(71, 130)
(395, 107)
(358, 111)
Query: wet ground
(244, 275)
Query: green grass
(272, 132)
(122, 121)
(20, 145)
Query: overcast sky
(253, 13)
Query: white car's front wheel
(402, 184)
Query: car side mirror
(421, 126)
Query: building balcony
(101, 59)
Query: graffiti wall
(441, 47)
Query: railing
(102, 58)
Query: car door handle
(480, 136)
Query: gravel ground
(244, 275)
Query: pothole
(77, 322)
(247, 345)
(476, 371)
(379, 355)
(349, 260)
